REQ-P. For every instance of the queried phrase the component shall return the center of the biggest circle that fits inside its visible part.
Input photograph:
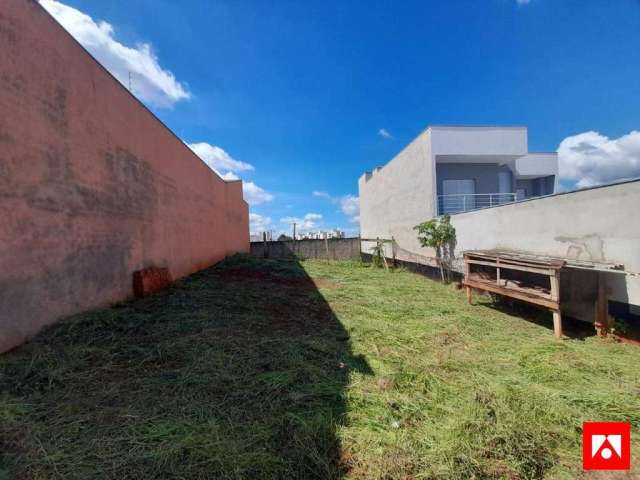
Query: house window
(458, 187)
(457, 196)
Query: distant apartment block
(321, 235)
(269, 235)
(261, 236)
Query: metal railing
(463, 202)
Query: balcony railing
(464, 202)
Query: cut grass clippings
(277, 369)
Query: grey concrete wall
(332, 249)
(484, 174)
(599, 224)
(399, 195)
(475, 140)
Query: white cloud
(229, 176)
(254, 195)
(218, 159)
(590, 158)
(150, 82)
(258, 223)
(308, 222)
(384, 133)
(350, 206)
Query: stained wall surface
(599, 224)
(92, 185)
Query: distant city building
(317, 235)
(259, 237)
(320, 235)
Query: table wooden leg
(557, 323)
(469, 296)
(602, 322)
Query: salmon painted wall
(92, 185)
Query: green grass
(252, 370)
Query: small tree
(284, 238)
(378, 254)
(440, 235)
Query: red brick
(150, 280)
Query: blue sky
(305, 97)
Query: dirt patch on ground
(633, 340)
(325, 283)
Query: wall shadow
(427, 271)
(238, 371)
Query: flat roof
(477, 126)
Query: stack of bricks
(150, 280)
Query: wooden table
(489, 271)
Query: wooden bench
(490, 271)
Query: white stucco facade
(397, 196)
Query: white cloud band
(150, 82)
(590, 158)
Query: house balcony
(464, 202)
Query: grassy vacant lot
(263, 369)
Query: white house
(502, 197)
(452, 169)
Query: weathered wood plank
(508, 292)
(509, 266)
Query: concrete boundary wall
(332, 249)
(601, 224)
(92, 185)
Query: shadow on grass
(571, 327)
(238, 371)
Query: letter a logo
(606, 446)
